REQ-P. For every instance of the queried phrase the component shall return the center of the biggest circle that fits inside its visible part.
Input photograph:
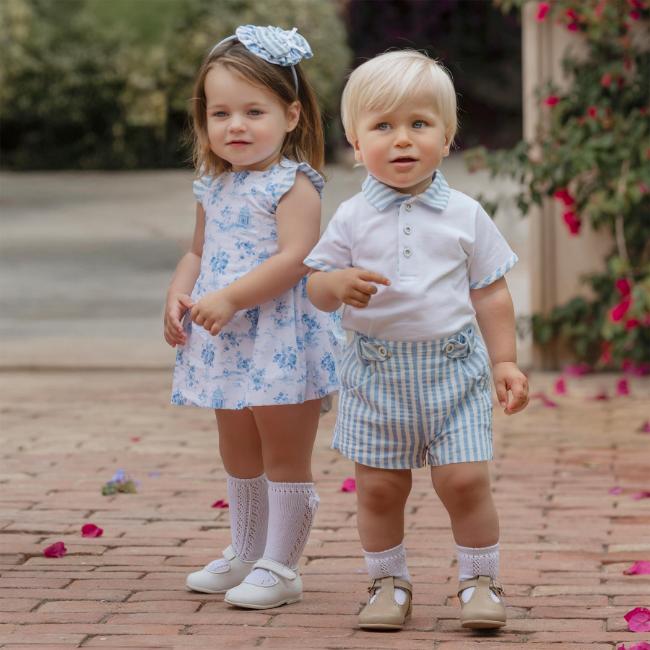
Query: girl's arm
(298, 223)
(182, 283)
(496, 318)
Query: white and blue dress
(280, 352)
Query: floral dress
(280, 352)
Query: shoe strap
(397, 583)
(492, 584)
(271, 565)
(229, 554)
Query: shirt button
(408, 207)
(408, 230)
(407, 252)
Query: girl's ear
(293, 115)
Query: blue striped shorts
(406, 404)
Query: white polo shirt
(433, 247)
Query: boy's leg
(381, 499)
(241, 453)
(464, 489)
(287, 435)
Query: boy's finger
(369, 289)
(371, 276)
(502, 393)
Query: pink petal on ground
(638, 619)
(560, 386)
(601, 397)
(135, 439)
(640, 568)
(220, 504)
(644, 645)
(622, 387)
(616, 490)
(577, 369)
(645, 427)
(546, 400)
(57, 549)
(349, 485)
(90, 530)
(644, 494)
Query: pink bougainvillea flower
(573, 27)
(220, 504)
(592, 111)
(617, 489)
(622, 387)
(545, 399)
(349, 485)
(638, 619)
(645, 427)
(606, 352)
(644, 494)
(551, 100)
(90, 530)
(57, 549)
(564, 195)
(572, 221)
(635, 15)
(560, 386)
(632, 323)
(644, 645)
(577, 369)
(606, 80)
(623, 286)
(618, 311)
(640, 568)
(542, 10)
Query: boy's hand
(214, 311)
(177, 305)
(355, 286)
(508, 378)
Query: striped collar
(381, 196)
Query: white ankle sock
(249, 513)
(292, 507)
(474, 562)
(391, 562)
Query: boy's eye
(382, 126)
(419, 124)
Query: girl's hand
(356, 286)
(508, 378)
(177, 305)
(214, 311)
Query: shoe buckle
(497, 588)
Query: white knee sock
(474, 562)
(292, 507)
(391, 562)
(249, 513)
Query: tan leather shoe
(383, 613)
(485, 608)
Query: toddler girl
(252, 347)
(415, 262)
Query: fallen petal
(546, 400)
(135, 439)
(645, 427)
(601, 397)
(349, 485)
(57, 549)
(616, 490)
(638, 619)
(622, 387)
(644, 645)
(640, 568)
(220, 504)
(560, 386)
(644, 494)
(90, 530)
(577, 370)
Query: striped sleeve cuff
(496, 274)
(317, 265)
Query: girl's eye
(255, 112)
(419, 124)
(383, 126)
(220, 114)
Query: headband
(273, 44)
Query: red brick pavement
(565, 540)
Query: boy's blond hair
(389, 79)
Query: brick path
(565, 540)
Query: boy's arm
(496, 318)
(328, 290)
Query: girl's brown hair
(304, 144)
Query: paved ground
(565, 539)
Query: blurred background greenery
(105, 84)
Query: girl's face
(246, 123)
(402, 147)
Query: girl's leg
(381, 499)
(464, 489)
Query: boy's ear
(293, 115)
(445, 150)
(358, 156)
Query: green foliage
(592, 154)
(97, 84)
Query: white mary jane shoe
(284, 587)
(220, 575)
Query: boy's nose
(402, 138)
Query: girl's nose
(236, 123)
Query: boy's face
(404, 146)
